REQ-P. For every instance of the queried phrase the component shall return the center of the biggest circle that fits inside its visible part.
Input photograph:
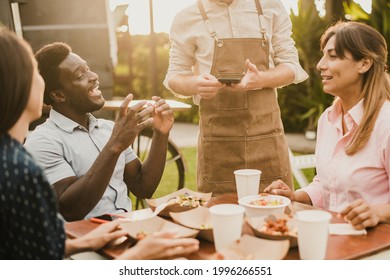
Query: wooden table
(340, 247)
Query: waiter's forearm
(280, 76)
(183, 84)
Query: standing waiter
(231, 55)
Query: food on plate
(277, 227)
(267, 202)
(187, 200)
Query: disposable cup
(247, 182)
(313, 231)
(227, 220)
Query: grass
(168, 182)
(309, 173)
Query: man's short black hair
(49, 57)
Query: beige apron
(240, 129)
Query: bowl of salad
(263, 204)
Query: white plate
(138, 215)
(257, 225)
(198, 218)
(153, 225)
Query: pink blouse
(342, 179)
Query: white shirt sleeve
(283, 45)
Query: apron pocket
(232, 99)
(222, 155)
(268, 153)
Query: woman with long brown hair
(353, 146)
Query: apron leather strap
(211, 29)
(202, 11)
(261, 16)
(258, 7)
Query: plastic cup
(227, 220)
(247, 182)
(313, 232)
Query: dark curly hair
(49, 57)
(16, 72)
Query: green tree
(304, 103)
(133, 72)
(335, 10)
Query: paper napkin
(345, 229)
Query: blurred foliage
(301, 105)
(379, 17)
(133, 72)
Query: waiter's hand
(252, 79)
(207, 86)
